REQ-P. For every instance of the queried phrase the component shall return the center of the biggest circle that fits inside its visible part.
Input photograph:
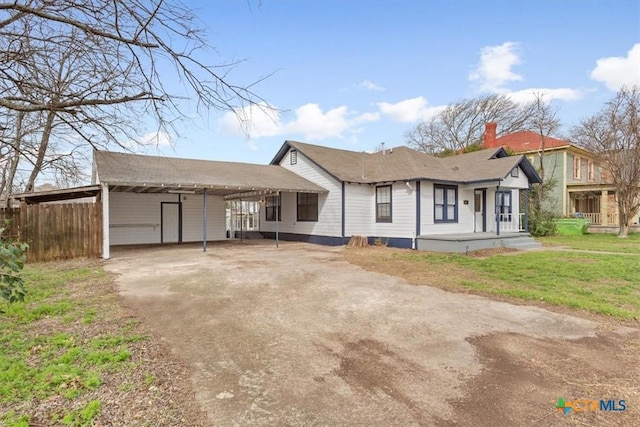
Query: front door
(479, 208)
(170, 222)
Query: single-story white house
(316, 194)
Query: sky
(352, 74)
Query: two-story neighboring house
(581, 189)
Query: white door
(170, 222)
(478, 208)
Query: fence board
(57, 231)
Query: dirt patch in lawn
(524, 375)
(386, 261)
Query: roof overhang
(58, 195)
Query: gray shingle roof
(134, 169)
(404, 164)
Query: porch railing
(593, 217)
(596, 218)
(512, 223)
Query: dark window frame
(443, 207)
(379, 205)
(293, 157)
(270, 205)
(307, 212)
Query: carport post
(204, 220)
(105, 221)
(278, 207)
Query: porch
(467, 242)
(596, 205)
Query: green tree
(542, 215)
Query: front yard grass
(596, 242)
(606, 284)
(70, 346)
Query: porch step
(249, 235)
(467, 242)
(522, 243)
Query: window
(445, 203)
(515, 172)
(307, 206)
(383, 203)
(271, 204)
(293, 156)
(503, 205)
(577, 173)
(591, 170)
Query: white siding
(403, 213)
(134, 218)
(359, 210)
(329, 204)
(465, 212)
(520, 182)
(192, 218)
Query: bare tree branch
(613, 135)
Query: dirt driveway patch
(298, 336)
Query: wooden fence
(57, 231)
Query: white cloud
(494, 70)
(309, 120)
(562, 94)
(257, 120)
(369, 85)
(618, 71)
(366, 118)
(312, 122)
(156, 139)
(409, 110)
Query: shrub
(12, 258)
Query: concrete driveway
(298, 336)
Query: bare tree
(613, 135)
(544, 121)
(91, 69)
(462, 124)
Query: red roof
(526, 140)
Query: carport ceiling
(229, 191)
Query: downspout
(204, 221)
(241, 220)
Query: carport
(150, 199)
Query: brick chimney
(490, 135)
